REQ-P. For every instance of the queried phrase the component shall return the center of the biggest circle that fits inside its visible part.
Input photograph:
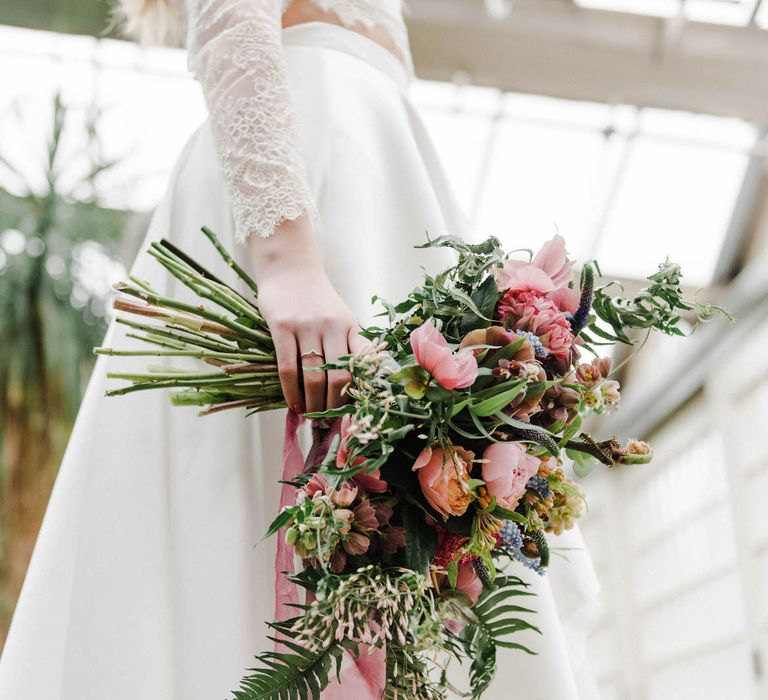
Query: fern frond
(301, 674)
(497, 619)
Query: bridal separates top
(235, 51)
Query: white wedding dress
(145, 583)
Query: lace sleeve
(235, 51)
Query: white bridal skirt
(145, 583)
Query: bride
(315, 169)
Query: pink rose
(442, 476)
(370, 481)
(531, 312)
(469, 582)
(431, 350)
(549, 270)
(506, 470)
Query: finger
(288, 369)
(311, 349)
(356, 341)
(335, 344)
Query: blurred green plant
(57, 252)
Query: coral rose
(506, 471)
(443, 474)
(431, 350)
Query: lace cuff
(236, 53)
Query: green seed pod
(292, 536)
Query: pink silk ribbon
(362, 677)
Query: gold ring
(311, 353)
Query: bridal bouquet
(445, 472)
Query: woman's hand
(310, 323)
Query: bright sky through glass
(624, 185)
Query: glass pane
(658, 8)
(540, 181)
(675, 200)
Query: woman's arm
(235, 51)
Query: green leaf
(491, 632)
(302, 674)
(332, 412)
(284, 517)
(538, 435)
(506, 514)
(494, 404)
(453, 571)
(436, 394)
(421, 543)
(459, 406)
(484, 298)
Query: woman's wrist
(291, 248)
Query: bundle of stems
(230, 335)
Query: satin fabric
(145, 583)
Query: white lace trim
(235, 51)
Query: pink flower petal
(466, 364)
(469, 582)
(567, 300)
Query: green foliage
(421, 542)
(408, 677)
(299, 673)
(53, 318)
(660, 306)
(491, 632)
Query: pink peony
(468, 582)
(371, 482)
(431, 350)
(549, 270)
(565, 299)
(442, 476)
(531, 312)
(506, 471)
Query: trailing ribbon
(362, 677)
